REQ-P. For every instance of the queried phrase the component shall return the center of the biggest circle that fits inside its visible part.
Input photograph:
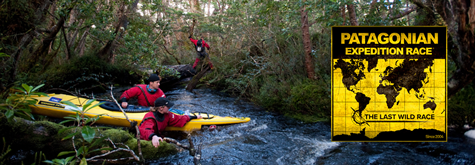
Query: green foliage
(3, 54)
(157, 37)
(308, 100)
(88, 138)
(65, 161)
(168, 72)
(4, 152)
(87, 72)
(311, 98)
(272, 95)
(17, 17)
(276, 80)
(18, 103)
(38, 157)
(461, 107)
(81, 118)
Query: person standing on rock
(155, 121)
(146, 94)
(200, 51)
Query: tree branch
(93, 159)
(68, 51)
(170, 140)
(372, 6)
(177, 60)
(409, 11)
(132, 125)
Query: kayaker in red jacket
(146, 94)
(159, 118)
(200, 51)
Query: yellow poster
(389, 84)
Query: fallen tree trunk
(196, 79)
(167, 80)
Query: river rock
(470, 136)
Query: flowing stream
(274, 139)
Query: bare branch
(131, 124)
(197, 157)
(170, 140)
(192, 147)
(92, 159)
(108, 139)
(110, 160)
(74, 146)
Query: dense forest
(274, 53)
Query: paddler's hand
(199, 117)
(156, 141)
(124, 104)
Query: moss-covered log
(35, 136)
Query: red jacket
(196, 41)
(150, 126)
(136, 92)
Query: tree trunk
(68, 51)
(72, 37)
(192, 27)
(408, 18)
(42, 50)
(196, 79)
(352, 13)
(343, 14)
(80, 47)
(307, 44)
(72, 19)
(372, 7)
(52, 21)
(426, 16)
(459, 16)
(25, 41)
(82, 42)
(106, 52)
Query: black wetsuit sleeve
(151, 136)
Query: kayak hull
(51, 106)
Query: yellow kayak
(51, 106)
